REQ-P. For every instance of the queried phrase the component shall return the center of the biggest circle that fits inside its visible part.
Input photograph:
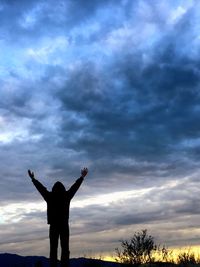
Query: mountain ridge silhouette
(15, 260)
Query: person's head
(58, 188)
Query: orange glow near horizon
(175, 252)
(191, 249)
(109, 258)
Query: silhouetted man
(58, 202)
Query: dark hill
(13, 260)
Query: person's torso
(58, 208)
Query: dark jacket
(58, 200)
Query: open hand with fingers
(31, 174)
(84, 172)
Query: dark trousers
(56, 232)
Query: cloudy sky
(112, 85)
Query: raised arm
(39, 186)
(73, 189)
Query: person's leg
(53, 236)
(64, 241)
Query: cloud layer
(112, 86)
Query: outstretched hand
(31, 174)
(84, 172)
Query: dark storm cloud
(125, 115)
(160, 90)
(110, 122)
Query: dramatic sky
(112, 85)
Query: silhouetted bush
(138, 250)
(165, 255)
(187, 258)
